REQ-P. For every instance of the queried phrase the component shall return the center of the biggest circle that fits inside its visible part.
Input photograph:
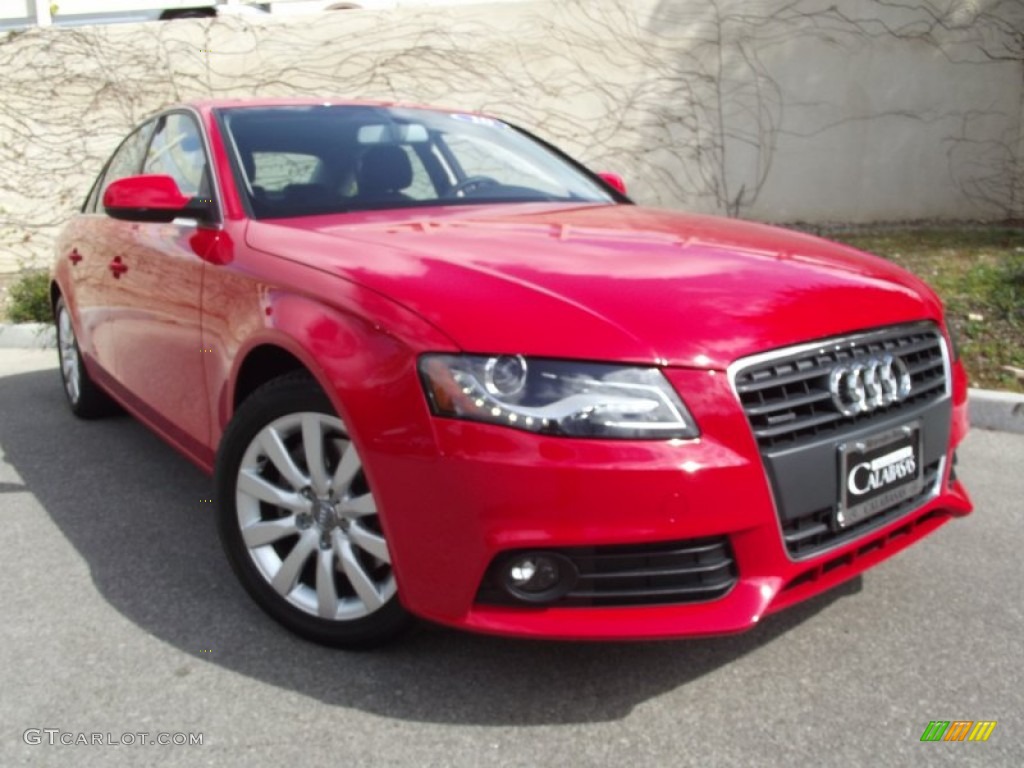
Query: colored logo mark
(958, 730)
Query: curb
(28, 336)
(999, 411)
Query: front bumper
(481, 491)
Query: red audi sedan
(439, 369)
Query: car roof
(207, 105)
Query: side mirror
(151, 198)
(614, 181)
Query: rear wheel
(299, 521)
(86, 400)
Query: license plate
(878, 472)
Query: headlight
(556, 397)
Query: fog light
(539, 577)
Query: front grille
(799, 429)
(815, 530)
(786, 397)
(689, 571)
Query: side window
(177, 151)
(127, 161)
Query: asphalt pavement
(119, 617)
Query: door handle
(118, 267)
(74, 257)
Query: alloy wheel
(309, 521)
(69, 360)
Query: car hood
(605, 282)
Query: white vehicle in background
(24, 13)
(18, 14)
(292, 7)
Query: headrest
(385, 168)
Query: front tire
(298, 520)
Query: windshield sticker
(478, 120)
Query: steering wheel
(470, 183)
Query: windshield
(306, 160)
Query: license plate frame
(875, 474)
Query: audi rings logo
(865, 385)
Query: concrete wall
(784, 110)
